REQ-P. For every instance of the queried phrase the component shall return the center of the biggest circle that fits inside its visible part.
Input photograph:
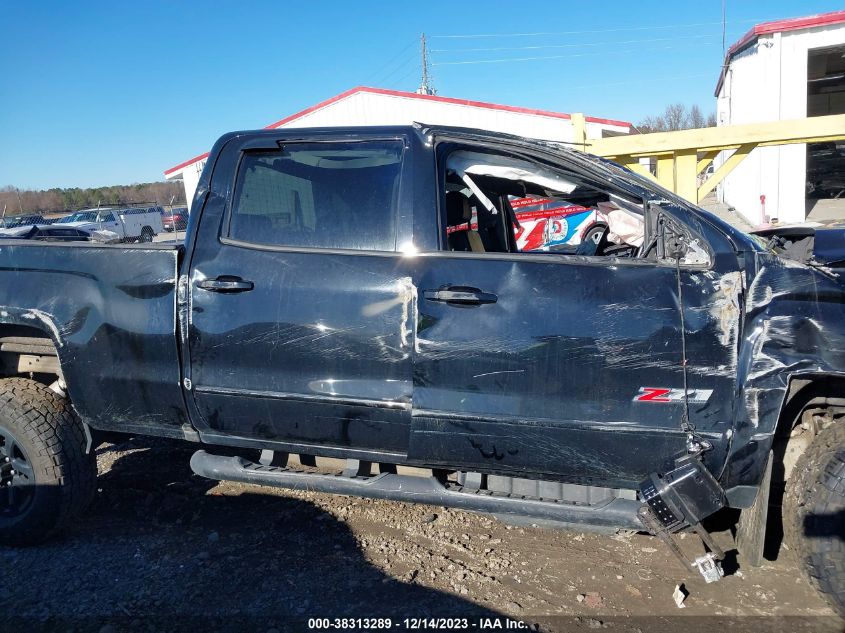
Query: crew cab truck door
(299, 330)
(566, 366)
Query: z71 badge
(663, 395)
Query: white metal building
(376, 106)
(787, 69)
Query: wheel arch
(806, 392)
(812, 402)
(29, 334)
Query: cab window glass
(321, 195)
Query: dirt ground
(162, 549)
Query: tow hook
(680, 498)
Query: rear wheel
(46, 478)
(814, 513)
(146, 234)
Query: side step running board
(617, 513)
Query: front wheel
(814, 513)
(46, 477)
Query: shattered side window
(505, 204)
(319, 195)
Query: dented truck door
(569, 367)
(299, 318)
(547, 378)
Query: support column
(579, 130)
(666, 171)
(686, 174)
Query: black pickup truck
(359, 295)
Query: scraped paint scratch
(504, 371)
(408, 296)
(47, 320)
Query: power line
(547, 57)
(398, 82)
(614, 30)
(379, 73)
(651, 81)
(575, 45)
(408, 60)
(645, 81)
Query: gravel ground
(162, 549)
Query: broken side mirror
(675, 246)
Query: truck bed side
(111, 314)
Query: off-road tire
(54, 441)
(814, 513)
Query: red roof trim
(778, 26)
(413, 95)
(195, 159)
(314, 108)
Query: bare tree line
(677, 117)
(19, 201)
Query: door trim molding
(573, 424)
(304, 397)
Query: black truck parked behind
(360, 294)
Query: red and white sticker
(662, 395)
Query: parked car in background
(134, 224)
(175, 219)
(49, 233)
(20, 220)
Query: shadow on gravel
(821, 525)
(160, 550)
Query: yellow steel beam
(636, 166)
(705, 161)
(810, 139)
(809, 130)
(666, 171)
(724, 169)
(686, 174)
(579, 129)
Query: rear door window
(319, 195)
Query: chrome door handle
(460, 295)
(226, 284)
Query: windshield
(81, 216)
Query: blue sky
(100, 93)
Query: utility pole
(425, 84)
